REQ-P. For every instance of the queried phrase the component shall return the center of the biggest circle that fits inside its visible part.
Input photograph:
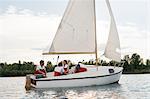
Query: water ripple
(129, 87)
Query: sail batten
(68, 53)
(76, 31)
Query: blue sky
(126, 10)
(27, 26)
(48, 6)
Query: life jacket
(42, 69)
(57, 73)
(38, 71)
(81, 69)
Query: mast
(96, 56)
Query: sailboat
(76, 34)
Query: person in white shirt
(59, 70)
(40, 69)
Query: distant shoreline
(122, 74)
(133, 64)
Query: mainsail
(112, 49)
(76, 32)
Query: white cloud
(19, 29)
(132, 38)
(135, 39)
(11, 10)
(23, 35)
(22, 32)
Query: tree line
(131, 64)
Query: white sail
(76, 32)
(112, 49)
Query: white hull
(89, 78)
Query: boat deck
(92, 71)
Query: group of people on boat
(63, 68)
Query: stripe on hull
(76, 78)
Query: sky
(27, 27)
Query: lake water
(129, 87)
